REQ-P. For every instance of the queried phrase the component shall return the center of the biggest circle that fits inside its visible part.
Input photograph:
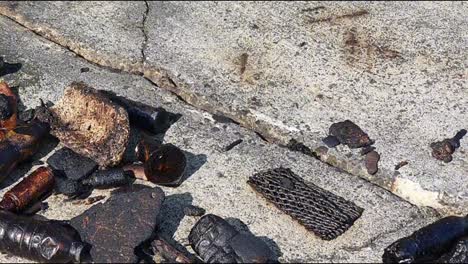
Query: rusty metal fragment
(115, 228)
(350, 134)
(372, 160)
(30, 190)
(322, 212)
(21, 143)
(443, 150)
(90, 124)
(428, 243)
(216, 241)
(40, 240)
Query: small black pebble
(193, 210)
(85, 69)
(331, 141)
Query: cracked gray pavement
(398, 72)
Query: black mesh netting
(320, 211)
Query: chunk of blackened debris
(322, 212)
(216, 241)
(192, 210)
(40, 240)
(372, 162)
(443, 150)
(115, 228)
(72, 164)
(294, 145)
(350, 134)
(84, 69)
(69, 187)
(152, 119)
(90, 124)
(428, 243)
(232, 145)
(26, 115)
(401, 164)
(109, 178)
(331, 141)
(30, 190)
(458, 254)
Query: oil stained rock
(73, 165)
(324, 213)
(443, 150)
(115, 228)
(350, 134)
(90, 124)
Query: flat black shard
(322, 212)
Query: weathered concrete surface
(110, 34)
(396, 69)
(217, 179)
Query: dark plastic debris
(115, 228)
(331, 141)
(109, 178)
(320, 211)
(192, 210)
(350, 134)
(216, 241)
(372, 160)
(458, 254)
(443, 150)
(40, 240)
(428, 243)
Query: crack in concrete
(145, 35)
(161, 80)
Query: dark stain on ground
(232, 145)
(401, 164)
(220, 118)
(312, 9)
(361, 50)
(339, 17)
(243, 62)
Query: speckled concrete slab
(290, 70)
(216, 179)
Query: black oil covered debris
(443, 150)
(6, 109)
(331, 141)
(428, 243)
(350, 134)
(73, 165)
(118, 226)
(109, 178)
(41, 240)
(320, 211)
(295, 145)
(193, 210)
(216, 241)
